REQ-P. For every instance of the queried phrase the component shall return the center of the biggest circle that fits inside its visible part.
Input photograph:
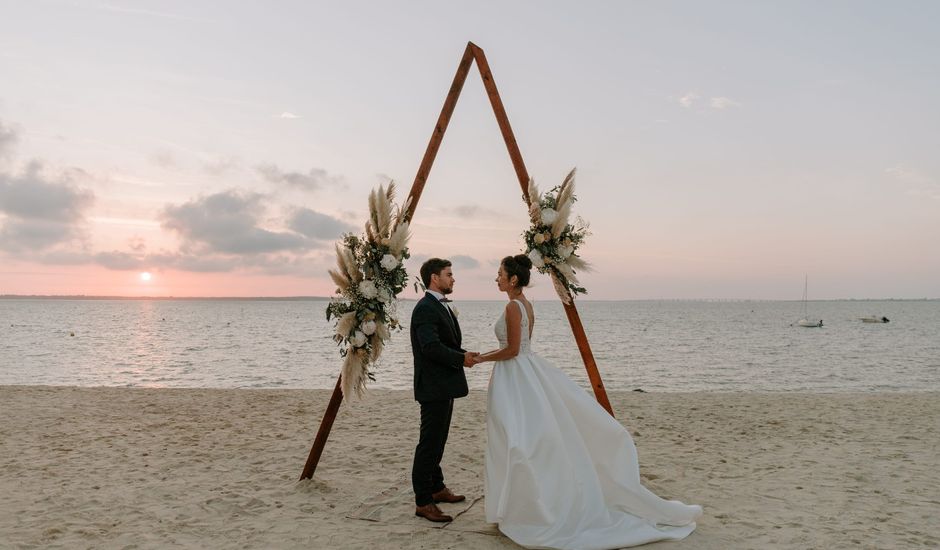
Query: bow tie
(446, 300)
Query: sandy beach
(154, 468)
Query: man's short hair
(432, 267)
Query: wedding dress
(560, 472)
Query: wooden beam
(600, 393)
(324, 432)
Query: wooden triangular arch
(471, 54)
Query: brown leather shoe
(444, 495)
(433, 513)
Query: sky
(725, 150)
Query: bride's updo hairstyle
(519, 265)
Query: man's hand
(469, 358)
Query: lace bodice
(502, 333)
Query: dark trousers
(426, 475)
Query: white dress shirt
(439, 296)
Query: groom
(439, 379)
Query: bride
(560, 472)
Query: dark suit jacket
(435, 343)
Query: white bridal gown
(560, 471)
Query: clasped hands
(471, 358)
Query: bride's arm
(513, 336)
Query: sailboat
(805, 320)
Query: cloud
(26, 235)
(40, 212)
(310, 265)
(419, 258)
(687, 99)
(315, 179)
(287, 115)
(164, 159)
(903, 173)
(918, 184)
(467, 211)
(119, 261)
(8, 138)
(219, 233)
(459, 261)
(219, 165)
(32, 196)
(471, 211)
(315, 225)
(212, 164)
(198, 263)
(201, 264)
(722, 103)
(228, 222)
(718, 103)
(137, 244)
(462, 261)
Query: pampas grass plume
(567, 272)
(346, 324)
(399, 239)
(561, 220)
(561, 290)
(354, 374)
(577, 263)
(377, 346)
(342, 282)
(349, 264)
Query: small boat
(875, 319)
(806, 321)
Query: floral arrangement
(369, 275)
(552, 242)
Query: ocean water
(674, 346)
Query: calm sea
(653, 345)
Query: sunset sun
(146, 276)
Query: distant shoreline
(326, 298)
(170, 298)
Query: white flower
(454, 310)
(367, 289)
(368, 328)
(539, 238)
(536, 259)
(548, 216)
(384, 296)
(564, 251)
(389, 262)
(358, 339)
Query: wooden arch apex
(471, 54)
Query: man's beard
(446, 291)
